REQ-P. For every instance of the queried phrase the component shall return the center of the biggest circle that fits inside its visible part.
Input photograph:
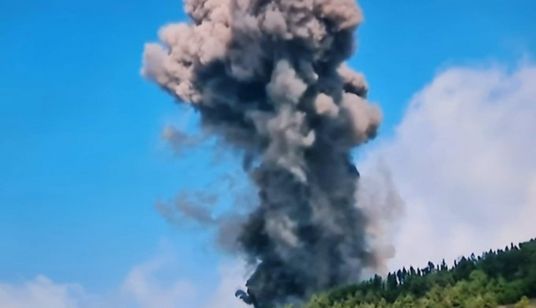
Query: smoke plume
(268, 77)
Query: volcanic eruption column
(268, 77)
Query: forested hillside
(503, 277)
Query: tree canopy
(500, 277)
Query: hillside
(505, 277)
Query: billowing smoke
(268, 77)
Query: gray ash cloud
(268, 78)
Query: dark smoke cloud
(268, 78)
(179, 140)
(198, 207)
(191, 206)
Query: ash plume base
(268, 78)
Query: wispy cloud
(42, 292)
(144, 288)
(153, 283)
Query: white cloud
(231, 278)
(148, 285)
(41, 292)
(144, 288)
(464, 161)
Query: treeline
(502, 277)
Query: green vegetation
(502, 277)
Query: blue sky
(81, 159)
